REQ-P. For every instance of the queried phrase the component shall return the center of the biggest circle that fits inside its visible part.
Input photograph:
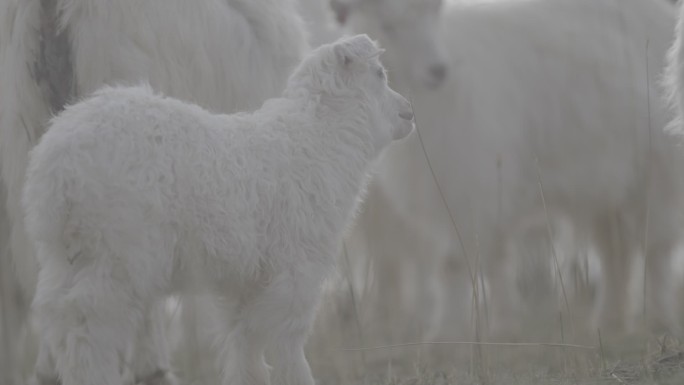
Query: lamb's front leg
(45, 372)
(151, 354)
(287, 358)
(298, 296)
(241, 359)
(278, 318)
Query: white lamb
(131, 196)
(562, 81)
(227, 56)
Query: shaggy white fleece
(131, 196)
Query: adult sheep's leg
(526, 275)
(15, 330)
(14, 326)
(610, 308)
(377, 243)
(409, 282)
(662, 303)
(10, 310)
(514, 254)
(503, 298)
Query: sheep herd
(235, 154)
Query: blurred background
(528, 232)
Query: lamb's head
(347, 76)
(408, 29)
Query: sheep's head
(358, 63)
(409, 29)
(349, 76)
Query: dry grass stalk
(473, 280)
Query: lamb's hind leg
(87, 322)
(150, 361)
(15, 331)
(663, 308)
(609, 311)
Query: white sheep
(564, 82)
(409, 30)
(318, 18)
(673, 87)
(673, 81)
(227, 56)
(131, 196)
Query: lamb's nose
(408, 115)
(438, 72)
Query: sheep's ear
(376, 53)
(342, 9)
(343, 55)
(355, 48)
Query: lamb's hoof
(160, 377)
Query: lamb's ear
(355, 48)
(343, 55)
(342, 9)
(378, 52)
